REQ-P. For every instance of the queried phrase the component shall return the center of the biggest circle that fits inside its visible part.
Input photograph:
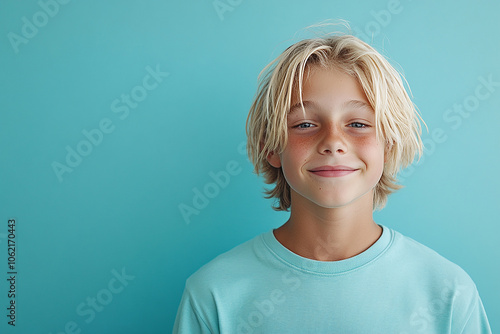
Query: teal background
(119, 208)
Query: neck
(329, 234)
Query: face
(332, 157)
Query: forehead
(328, 84)
(347, 105)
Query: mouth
(332, 171)
(332, 168)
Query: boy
(331, 125)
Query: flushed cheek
(372, 153)
(300, 143)
(294, 159)
(292, 165)
(298, 149)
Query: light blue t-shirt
(395, 286)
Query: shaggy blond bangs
(397, 119)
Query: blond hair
(396, 117)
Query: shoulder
(446, 287)
(228, 267)
(431, 268)
(419, 254)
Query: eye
(358, 125)
(304, 125)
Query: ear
(274, 159)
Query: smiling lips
(332, 171)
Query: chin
(335, 201)
(334, 204)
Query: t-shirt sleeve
(477, 322)
(188, 320)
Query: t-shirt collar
(329, 267)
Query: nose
(333, 141)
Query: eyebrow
(354, 104)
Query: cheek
(297, 149)
(299, 143)
(294, 157)
(371, 151)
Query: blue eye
(304, 125)
(357, 125)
